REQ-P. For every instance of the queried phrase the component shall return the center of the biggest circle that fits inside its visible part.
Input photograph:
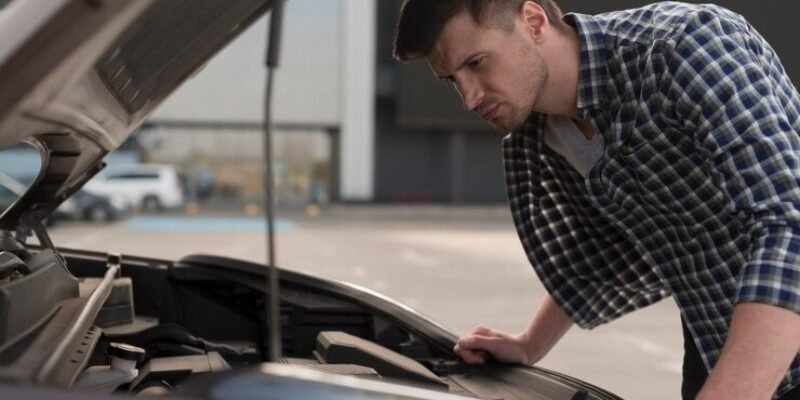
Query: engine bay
(121, 325)
(146, 332)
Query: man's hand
(549, 324)
(483, 342)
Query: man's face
(498, 74)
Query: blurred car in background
(85, 206)
(82, 205)
(148, 187)
(88, 206)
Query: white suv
(147, 186)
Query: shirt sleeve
(727, 85)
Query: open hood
(87, 73)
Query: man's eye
(476, 62)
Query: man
(652, 152)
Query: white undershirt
(565, 138)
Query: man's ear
(534, 19)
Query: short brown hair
(422, 21)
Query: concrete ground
(461, 266)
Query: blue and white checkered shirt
(697, 194)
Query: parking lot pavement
(461, 266)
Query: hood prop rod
(272, 305)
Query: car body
(146, 186)
(78, 77)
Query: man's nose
(471, 95)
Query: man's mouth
(489, 113)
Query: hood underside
(78, 76)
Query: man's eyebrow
(463, 63)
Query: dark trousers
(694, 371)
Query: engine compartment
(192, 317)
(111, 324)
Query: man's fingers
(497, 345)
(477, 347)
(482, 330)
(471, 356)
(467, 342)
(475, 342)
(478, 357)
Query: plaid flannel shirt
(697, 194)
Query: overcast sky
(231, 86)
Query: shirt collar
(594, 76)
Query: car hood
(78, 76)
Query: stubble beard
(530, 83)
